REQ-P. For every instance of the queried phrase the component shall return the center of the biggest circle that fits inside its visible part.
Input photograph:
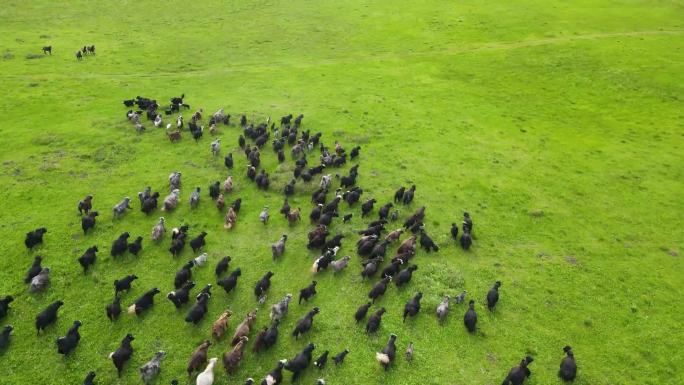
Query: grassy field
(557, 125)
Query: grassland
(558, 126)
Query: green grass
(557, 126)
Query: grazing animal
(216, 147)
(89, 379)
(85, 205)
(339, 358)
(195, 198)
(231, 218)
(454, 231)
(88, 222)
(228, 283)
(386, 355)
(493, 295)
(470, 318)
(124, 283)
(322, 360)
(215, 190)
(68, 343)
(347, 218)
(466, 240)
(427, 243)
(392, 269)
(79, 55)
(568, 366)
(270, 337)
(181, 296)
(218, 329)
(408, 195)
(120, 245)
(394, 235)
(184, 274)
(304, 324)
(244, 327)
(374, 321)
(41, 281)
(135, 247)
(35, 269)
(278, 248)
(220, 202)
(367, 207)
(48, 316)
(467, 223)
(198, 357)
(443, 309)
(121, 355)
(294, 216)
(279, 309)
(236, 205)
(307, 292)
(152, 368)
(408, 246)
(171, 200)
(399, 194)
(461, 297)
(354, 152)
(228, 184)
(340, 264)
(150, 203)
(199, 309)
(286, 208)
(384, 210)
(119, 209)
(404, 276)
(274, 377)
(324, 260)
(144, 302)
(263, 284)
(300, 361)
(198, 242)
(362, 311)
(158, 122)
(47, 50)
(222, 265)
(4, 305)
(370, 267)
(517, 375)
(207, 376)
(158, 230)
(34, 237)
(177, 243)
(175, 180)
(409, 352)
(114, 309)
(412, 307)
(231, 359)
(5, 337)
(228, 160)
(263, 216)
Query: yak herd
(372, 247)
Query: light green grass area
(558, 125)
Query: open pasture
(558, 126)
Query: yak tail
(131, 309)
(314, 268)
(382, 358)
(111, 354)
(228, 226)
